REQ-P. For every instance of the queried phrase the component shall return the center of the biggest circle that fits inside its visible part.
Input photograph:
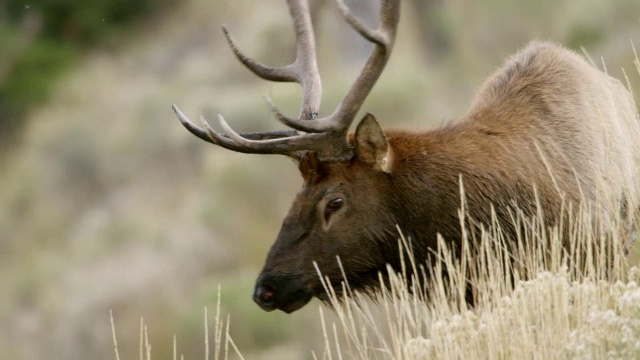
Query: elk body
(544, 131)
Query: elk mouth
(286, 293)
(294, 305)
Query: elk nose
(264, 296)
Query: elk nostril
(264, 294)
(267, 295)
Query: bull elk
(544, 130)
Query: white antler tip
(204, 123)
(181, 116)
(343, 7)
(225, 126)
(270, 103)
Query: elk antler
(326, 136)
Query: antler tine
(306, 126)
(306, 63)
(282, 73)
(304, 70)
(374, 36)
(288, 143)
(383, 39)
(273, 146)
(323, 144)
(326, 136)
(193, 128)
(211, 136)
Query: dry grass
(222, 341)
(533, 298)
(533, 301)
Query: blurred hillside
(42, 39)
(108, 203)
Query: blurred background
(106, 202)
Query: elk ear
(371, 144)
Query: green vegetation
(41, 39)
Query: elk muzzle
(284, 292)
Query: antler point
(181, 116)
(269, 102)
(224, 124)
(204, 122)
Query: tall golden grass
(533, 298)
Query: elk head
(344, 177)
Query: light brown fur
(546, 118)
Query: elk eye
(333, 205)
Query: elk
(544, 130)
